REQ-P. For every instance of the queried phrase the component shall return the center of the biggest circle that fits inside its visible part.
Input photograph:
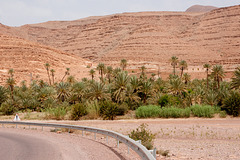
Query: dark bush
(78, 110)
(122, 109)
(108, 110)
(8, 108)
(164, 100)
(231, 104)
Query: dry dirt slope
(29, 58)
(149, 38)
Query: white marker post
(16, 118)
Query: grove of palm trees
(113, 91)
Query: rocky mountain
(28, 59)
(146, 38)
(200, 8)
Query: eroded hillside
(28, 59)
(147, 38)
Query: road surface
(18, 147)
(22, 144)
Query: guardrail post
(107, 139)
(155, 153)
(82, 132)
(94, 136)
(118, 143)
(139, 141)
(68, 130)
(128, 146)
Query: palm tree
(182, 65)
(159, 86)
(146, 90)
(11, 82)
(109, 73)
(207, 66)
(46, 93)
(66, 73)
(236, 79)
(174, 62)
(116, 71)
(132, 97)
(47, 66)
(101, 69)
(98, 91)
(186, 78)
(52, 73)
(142, 69)
(123, 64)
(210, 98)
(92, 73)
(153, 76)
(135, 83)
(10, 72)
(176, 86)
(218, 74)
(71, 80)
(78, 92)
(62, 91)
(120, 87)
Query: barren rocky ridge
(145, 38)
(28, 59)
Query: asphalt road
(20, 147)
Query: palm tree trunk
(102, 75)
(63, 77)
(11, 87)
(174, 70)
(207, 79)
(49, 77)
(53, 79)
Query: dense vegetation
(116, 92)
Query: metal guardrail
(135, 146)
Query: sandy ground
(193, 138)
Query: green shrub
(78, 110)
(149, 111)
(164, 100)
(8, 108)
(231, 104)
(143, 134)
(163, 152)
(93, 109)
(173, 112)
(3, 95)
(152, 111)
(108, 110)
(203, 111)
(222, 114)
(57, 113)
